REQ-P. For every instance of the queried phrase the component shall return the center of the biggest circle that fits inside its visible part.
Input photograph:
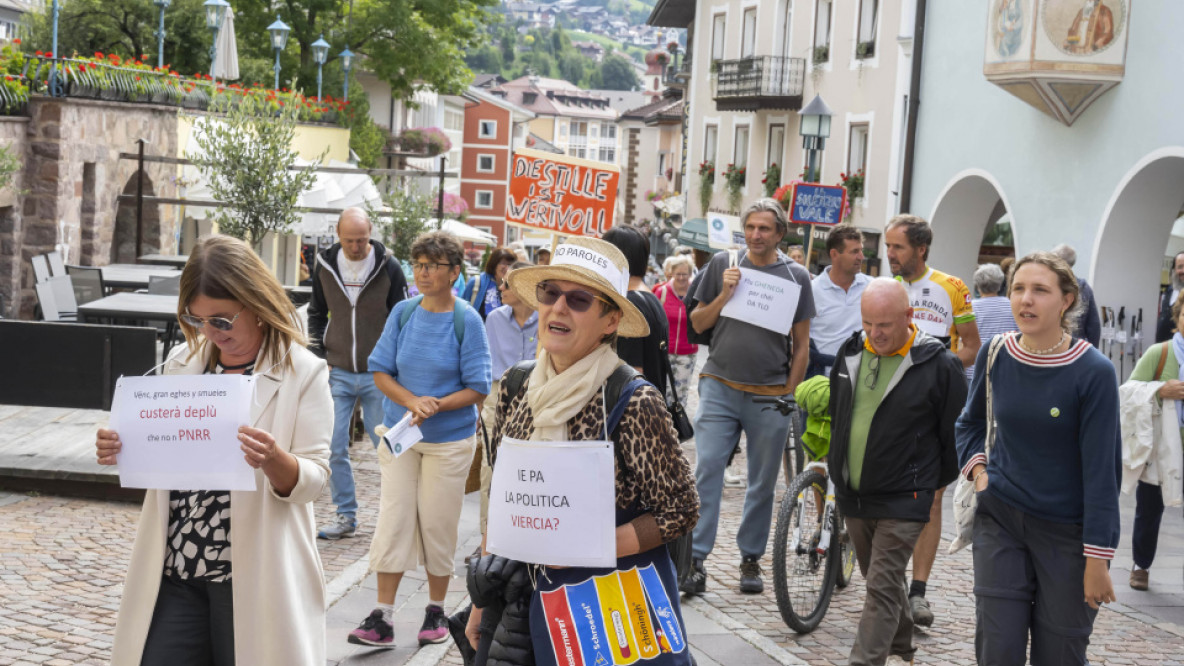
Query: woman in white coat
(196, 591)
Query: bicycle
(812, 553)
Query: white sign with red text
(553, 503)
(180, 432)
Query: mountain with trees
(548, 53)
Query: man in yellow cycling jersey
(941, 308)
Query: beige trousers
(488, 414)
(421, 497)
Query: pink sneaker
(435, 626)
(374, 631)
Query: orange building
(494, 127)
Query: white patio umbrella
(226, 59)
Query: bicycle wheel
(803, 579)
(846, 567)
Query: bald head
(886, 315)
(353, 230)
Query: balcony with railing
(758, 82)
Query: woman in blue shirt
(1047, 520)
(434, 363)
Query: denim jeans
(349, 387)
(723, 413)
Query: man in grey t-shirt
(745, 361)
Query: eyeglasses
(505, 284)
(874, 376)
(579, 300)
(429, 267)
(220, 323)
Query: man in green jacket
(895, 393)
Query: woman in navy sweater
(1047, 522)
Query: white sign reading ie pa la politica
(764, 300)
(180, 432)
(554, 503)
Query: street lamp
(814, 128)
(163, 4)
(279, 39)
(320, 51)
(54, 86)
(347, 59)
(215, 14)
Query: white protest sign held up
(724, 231)
(554, 503)
(180, 432)
(764, 300)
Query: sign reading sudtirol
(818, 204)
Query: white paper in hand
(764, 300)
(402, 436)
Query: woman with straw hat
(583, 307)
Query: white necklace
(1043, 352)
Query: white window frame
(477, 199)
(775, 156)
(786, 33)
(863, 129)
(711, 143)
(737, 154)
(719, 36)
(481, 129)
(861, 14)
(492, 162)
(825, 34)
(748, 32)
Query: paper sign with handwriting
(764, 300)
(180, 432)
(402, 436)
(554, 503)
(567, 195)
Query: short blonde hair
(227, 268)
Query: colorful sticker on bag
(663, 609)
(612, 620)
(562, 628)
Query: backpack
(458, 316)
(695, 337)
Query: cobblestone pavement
(63, 562)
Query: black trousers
(1145, 534)
(1029, 580)
(192, 625)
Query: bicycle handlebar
(784, 405)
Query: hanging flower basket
(430, 141)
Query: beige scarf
(555, 398)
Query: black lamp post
(814, 129)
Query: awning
(464, 232)
(694, 234)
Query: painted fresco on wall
(1084, 28)
(1009, 18)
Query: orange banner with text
(562, 194)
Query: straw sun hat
(592, 263)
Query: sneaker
(734, 477)
(435, 626)
(750, 575)
(341, 528)
(374, 631)
(696, 580)
(922, 616)
(1140, 579)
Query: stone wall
(72, 181)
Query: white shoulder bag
(965, 498)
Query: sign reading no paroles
(180, 432)
(818, 204)
(566, 195)
(553, 503)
